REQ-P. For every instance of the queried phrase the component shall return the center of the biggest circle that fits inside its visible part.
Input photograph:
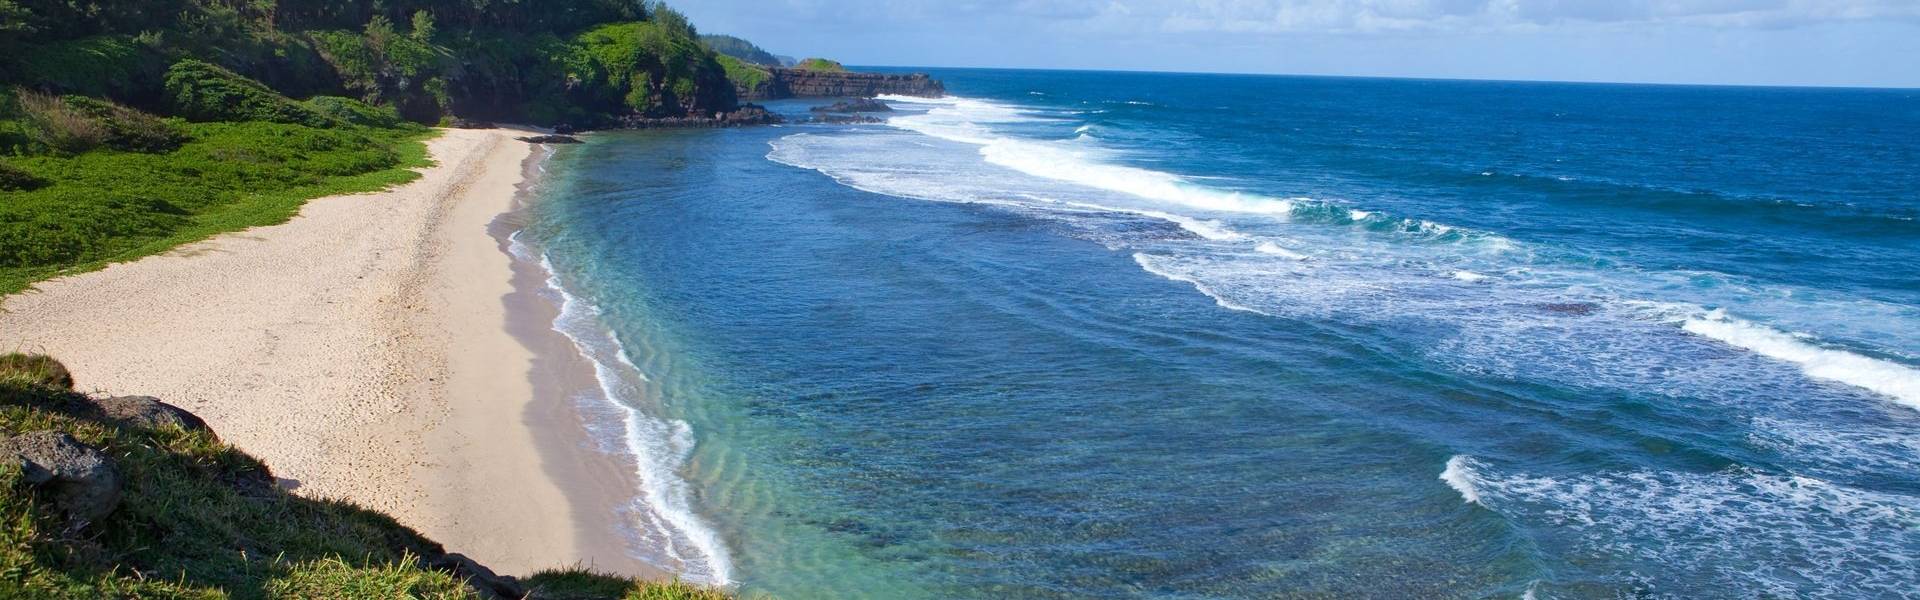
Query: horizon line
(1809, 86)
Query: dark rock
(150, 412)
(803, 83)
(477, 576)
(846, 119)
(565, 129)
(465, 123)
(1570, 308)
(855, 105)
(81, 479)
(747, 114)
(549, 139)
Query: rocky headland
(806, 83)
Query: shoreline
(582, 382)
(366, 350)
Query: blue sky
(1765, 42)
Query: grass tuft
(53, 124)
(580, 583)
(34, 370)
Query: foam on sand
(659, 447)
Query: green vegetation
(821, 64)
(585, 584)
(197, 518)
(741, 49)
(108, 204)
(201, 91)
(131, 126)
(745, 76)
(128, 127)
(428, 60)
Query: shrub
(102, 65)
(354, 111)
(15, 179)
(50, 122)
(129, 129)
(202, 91)
(35, 369)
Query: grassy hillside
(196, 518)
(88, 182)
(131, 126)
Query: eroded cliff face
(801, 83)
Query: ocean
(1141, 335)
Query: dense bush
(202, 91)
(104, 65)
(354, 111)
(13, 179)
(728, 45)
(129, 129)
(56, 126)
(654, 68)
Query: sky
(1874, 43)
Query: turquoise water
(1073, 334)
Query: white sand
(359, 349)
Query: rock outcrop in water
(804, 83)
(854, 106)
(747, 114)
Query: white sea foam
(1277, 250)
(1458, 476)
(1735, 532)
(1372, 267)
(1149, 265)
(658, 446)
(1894, 380)
(966, 121)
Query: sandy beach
(362, 350)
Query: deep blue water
(1070, 334)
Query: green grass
(821, 64)
(744, 75)
(197, 519)
(586, 584)
(200, 519)
(108, 206)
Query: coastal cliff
(813, 83)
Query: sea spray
(1459, 476)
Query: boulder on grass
(80, 479)
(149, 412)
